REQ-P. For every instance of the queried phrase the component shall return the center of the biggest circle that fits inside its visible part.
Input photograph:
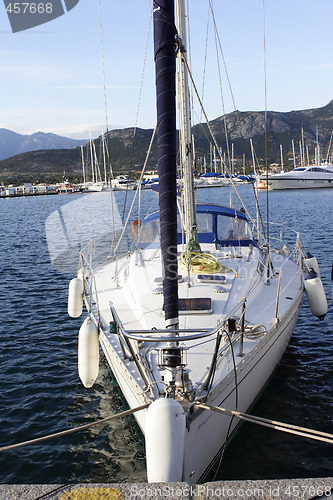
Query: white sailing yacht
(198, 315)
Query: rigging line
(236, 403)
(205, 65)
(329, 148)
(106, 120)
(103, 66)
(202, 107)
(201, 128)
(266, 137)
(222, 97)
(138, 108)
(259, 214)
(215, 141)
(137, 190)
(226, 72)
(75, 429)
(189, 40)
(222, 54)
(255, 190)
(273, 424)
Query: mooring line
(75, 429)
(273, 424)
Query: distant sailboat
(96, 184)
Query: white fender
(88, 353)
(75, 297)
(312, 263)
(315, 294)
(165, 440)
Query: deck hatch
(195, 305)
(211, 278)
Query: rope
(203, 263)
(273, 424)
(75, 429)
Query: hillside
(127, 155)
(282, 128)
(12, 143)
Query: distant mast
(165, 71)
(281, 153)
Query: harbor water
(41, 392)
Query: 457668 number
(29, 8)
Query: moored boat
(198, 314)
(123, 183)
(314, 176)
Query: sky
(52, 78)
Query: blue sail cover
(165, 71)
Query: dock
(275, 489)
(29, 189)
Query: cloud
(86, 86)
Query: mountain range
(50, 160)
(12, 143)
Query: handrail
(133, 334)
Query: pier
(274, 489)
(29, 189)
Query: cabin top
(223, 226)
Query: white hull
(302, 178)
(123, 188)
(276, 184)
(208, 431)
(96, 187)
(123, 183)
(137, 306)
(209, 183)
(203, 316)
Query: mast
(165, 71)
(294, 156)
(318, 147)
(186, 150)
(104, 158)
(91, 159)
(83, 169)
(303, 147)
(281, 153)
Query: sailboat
(197, 316)
(96, 184)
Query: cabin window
(232, 228)
(150, 234)
(204, 223)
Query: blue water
(41, 392)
